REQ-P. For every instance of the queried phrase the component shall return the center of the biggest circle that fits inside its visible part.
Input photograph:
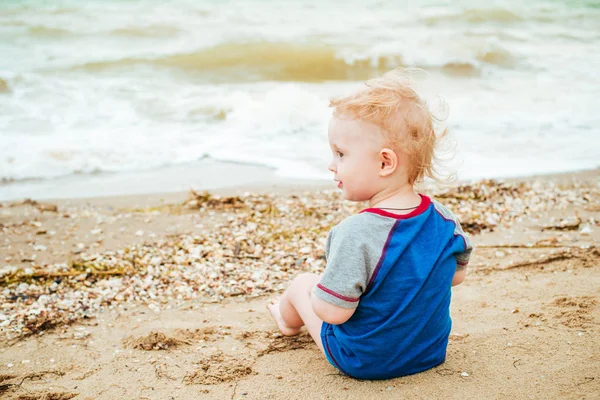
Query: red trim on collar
(425, 202)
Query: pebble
(256, 253)
(464, 374)
(586, 229)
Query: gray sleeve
(462, 257)
(353, 249)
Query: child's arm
(330, 313)
(462, 260)
(459, 276)
(464, 249)
(335, 297)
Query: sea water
(116, 86)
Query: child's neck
(402, 197)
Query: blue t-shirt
(397, 271)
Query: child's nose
(331, 166)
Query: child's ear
(388, 162)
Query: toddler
(382, 307)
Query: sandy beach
(165, 174)
(163, 296)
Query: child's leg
(294, 308)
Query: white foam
(535, 114)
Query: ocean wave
(496, 56)
(500, 35)
(460, 68)
(147, 31)
(4, 88)
(476, 15)
(46, 31)
(305, 62)
(259, 61)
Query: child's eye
(340, 154)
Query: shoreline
(173, 183)
(205, 174)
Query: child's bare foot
(273, 308)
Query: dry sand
(526, 320)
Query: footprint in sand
(573, 311)
(160, 341)
(208, 333)
(219, 368)
(153, 341)
(265, 342)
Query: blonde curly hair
(391, 103)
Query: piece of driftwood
(564, 225)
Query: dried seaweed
(254, 246)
